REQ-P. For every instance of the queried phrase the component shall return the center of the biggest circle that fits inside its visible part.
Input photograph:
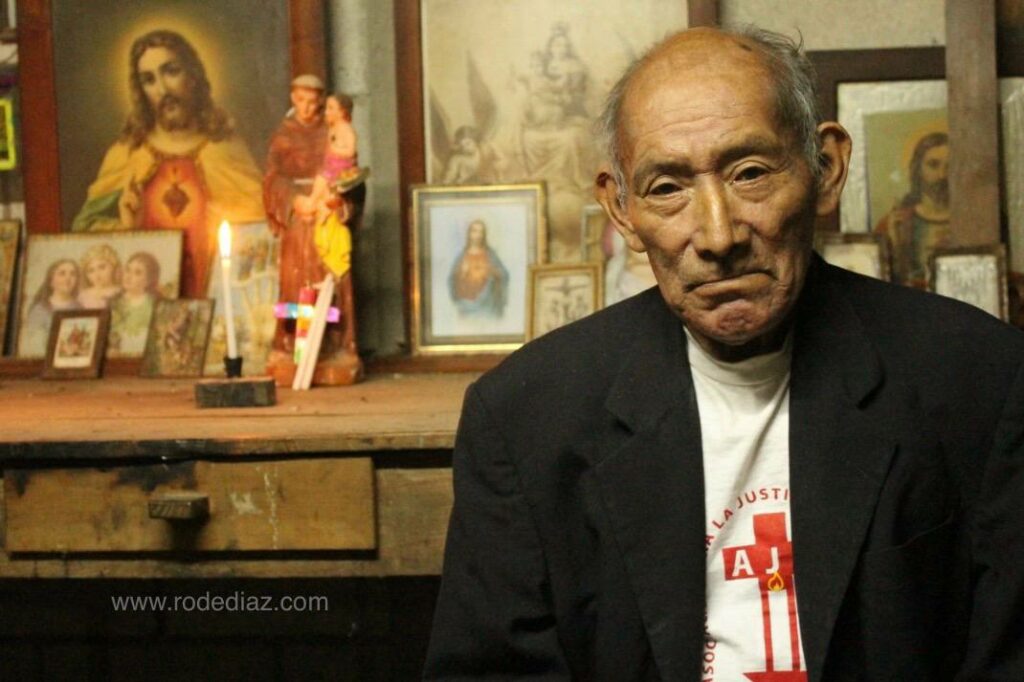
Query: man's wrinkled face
(717, 193)
(307, 105)
(167, 87)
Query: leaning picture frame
(472, 248)
(972, 274)
(77, 344)
(10, 232)
(178, 335)
(863, 253)
(126, 271)
(562, 293)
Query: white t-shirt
(752, 631)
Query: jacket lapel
(839, 455)
(651, 481)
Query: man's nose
(716, 235)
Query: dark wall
(374, 629)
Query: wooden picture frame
(178, 335)
(562, 293)
(77, 344)
(836, 67)
(307, 47)
(10, 240)
(461, 234)
(863, 253)
(972, 274)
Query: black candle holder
(233, 367)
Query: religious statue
(314, 191)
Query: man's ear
(835, 163)
(606, 191)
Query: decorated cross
(302, 313)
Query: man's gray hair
(796, 98)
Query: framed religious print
(560, 294)
(125, 272)
(76, 344)
(866, 254)
(856, 86)
(158, 114)
(10, 232)
(594, 229)
(472, 251)
(255, 282)
(975, 275)
(500, 92)
(178, 334)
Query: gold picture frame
(472, 247)
(562, 293)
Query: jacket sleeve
(494, 617)
(996, 646)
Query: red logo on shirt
(770, 561)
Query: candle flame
(224, 239)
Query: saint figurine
(313, 191)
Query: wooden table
(351, 481)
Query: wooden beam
(308, 42)
(41, 169)
(702, 13)
(973, 121)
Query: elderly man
(178, 163)
(764, 469)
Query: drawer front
(322, 504)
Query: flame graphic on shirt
(776, 583)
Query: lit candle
(224, 239)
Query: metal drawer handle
(179, 506)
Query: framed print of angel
(511, 90)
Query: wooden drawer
(311, 504)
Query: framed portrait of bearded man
(164, 111)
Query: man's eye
(663, 188)
(749, 173)
(147, 78)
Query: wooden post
(309, 47)
(38, 117)
(702, 13)
(973, 121)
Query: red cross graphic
(770, 561)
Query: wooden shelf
(157, 418)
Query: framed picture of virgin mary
(472, 251)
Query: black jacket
(576, 543)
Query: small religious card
(865, 254)
(77, 341)
(975, 275)
(560, 294)
(178, 334)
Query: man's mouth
(727, 280)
